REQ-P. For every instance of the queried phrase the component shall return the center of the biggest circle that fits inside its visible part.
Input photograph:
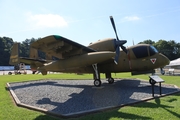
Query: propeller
(117, 43)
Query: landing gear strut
(97, 81)
(162, 71)
(110, 79)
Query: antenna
(133, 41)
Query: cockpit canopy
(142, 51)
(152, 50)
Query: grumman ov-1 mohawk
(103, 56)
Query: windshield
(140, 51)
(152, 50)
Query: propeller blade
(117, 43)
(114, 27)
(117, 55)
(120, 43)
(124, 49)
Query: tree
(147, 42)
(25, 47)
(5, 48)
(168, 48)
(171, 49)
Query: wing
(60, 47)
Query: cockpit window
(152, 50)
(140, 51)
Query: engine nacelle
(104, 45)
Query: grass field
(160, 108)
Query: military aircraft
(103, 56)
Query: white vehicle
(174, 64)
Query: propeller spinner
(117, 43)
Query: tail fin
(33, 53)
(14, 57)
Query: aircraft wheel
(111, 80)
(152, 82)
(9, 73)
(97, 82)
(33, 72)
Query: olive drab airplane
(103, 56)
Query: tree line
(6, 44)
(170, 48)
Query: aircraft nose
(165, 61)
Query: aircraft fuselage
(141, 57)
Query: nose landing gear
(162, 71)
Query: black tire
(162, 72)
(33, 72)
(152, 82)
(9, 73)
(97, 82)
(111, 80)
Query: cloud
(47, 20)
(131, 18)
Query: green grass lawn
(161, 108)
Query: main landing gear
(97, 82)
(96, 75)
(110, 80)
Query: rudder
(33, 53)
(14, 57)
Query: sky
(86, 21)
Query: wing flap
(60, 47)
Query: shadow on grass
(165, 107)
(45, 117)
(120, 115)
(158, 104)
(98, 116)
(6, 88)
